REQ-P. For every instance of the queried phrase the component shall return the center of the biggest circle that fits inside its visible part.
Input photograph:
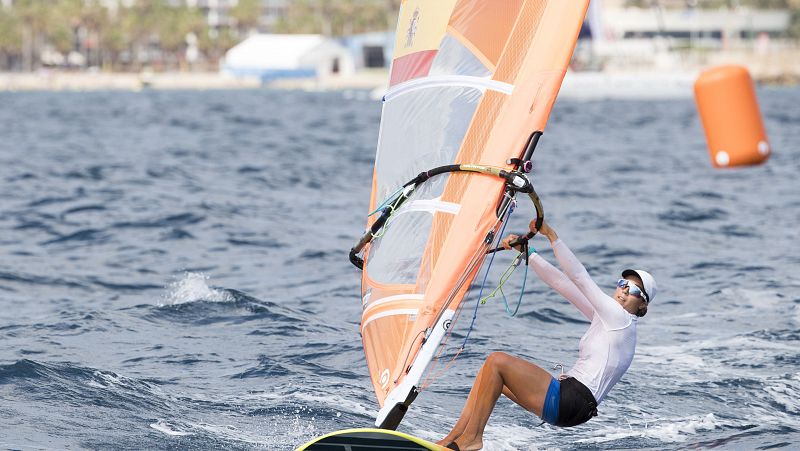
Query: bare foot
(447, 443)
(469, 445)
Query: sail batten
(470, 81)
(448, 81)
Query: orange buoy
(728, 107)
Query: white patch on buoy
(763, 147)
(722, 157)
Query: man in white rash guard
(606, 351)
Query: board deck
(369, 439)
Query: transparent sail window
(420, 130)
(455, 59)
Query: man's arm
(557, 280)
(612, 314)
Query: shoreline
(47, 80)
(102, 81)
(576, 83)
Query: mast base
(400, 397)
(396, 414)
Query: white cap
(647, 279)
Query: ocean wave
(109, 194)
(92, 236)
(551, 316)
(80, 386)
(169, 429)
(178, 220)
(30, 279)
(193, 287)
(660, 430)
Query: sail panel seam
(476, 52)
(389, 313)
(432, 205)
(440, 81)
(397, 297)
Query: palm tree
(247, 14)
(33, 16)
(173, 27)
(10, 38)
(340, 17)
(95, 19)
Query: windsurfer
(606, 351)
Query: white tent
(273, 56)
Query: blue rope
(483, 284)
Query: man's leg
(466, 412)
(523, 382)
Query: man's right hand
(506, 242)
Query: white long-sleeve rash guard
(607, 348)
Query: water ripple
(176, 274)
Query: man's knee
(497, 359)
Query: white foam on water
(299, 426)
(295, 432)
(106, 380)
(337, 402)
(95, 384)
(166, 428)
(113, 382)
(300, 431)
(768, 416)
(233, 433)
(758, 298)
(193, 287)
(680, 361)
(671, 356)
(785, 392)
(667, 431)
(687, 363)
(510, 437)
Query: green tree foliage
(174, 24)
(33, 16)
(10, 32)
(215, 43)
(101, 34)
(247, 14)
(127, 34)
(340, 17)
(794, 27)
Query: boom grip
(522, 239)
(537, 203)
(357, 261)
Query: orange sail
(471, 80)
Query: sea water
(174, 274)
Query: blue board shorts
(568, 403)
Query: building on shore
(692, 24)
(270, 57)
(371, 50)
(674, 36)
(217, 14)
